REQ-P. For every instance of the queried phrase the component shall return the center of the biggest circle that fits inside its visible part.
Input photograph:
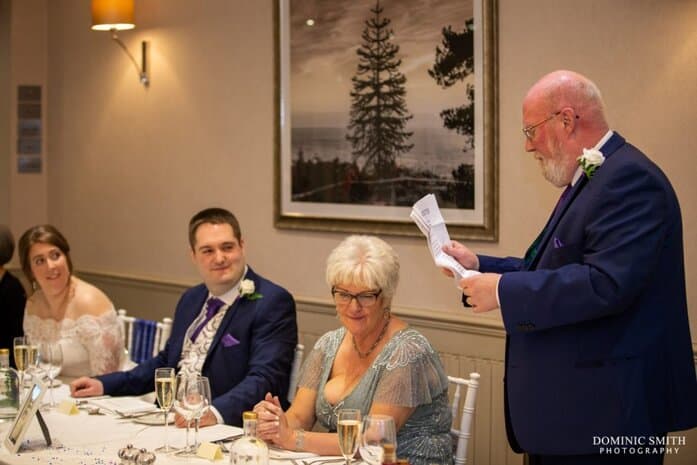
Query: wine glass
(20, 345)
(348, 426)
(50, 358)
(187, 402)
(164, 390)
(204, 390)
(378, 430)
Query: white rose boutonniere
(247, 290)
(590, 161)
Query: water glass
(50, 358)
(188, 401)
(204, 389)
(378, 430)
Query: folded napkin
(280, 454)
(124, 405)
(326, 459)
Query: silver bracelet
(299, 440)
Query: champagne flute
(50, 358)
(164, 390)
(378, 430)
(32, 361)
(187, 402)
(20, 345)
(348, 427)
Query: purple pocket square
(229, 341)
(557, 243)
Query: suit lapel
(554, 220)
(610, 147)
(239, 303)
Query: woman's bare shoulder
(90, 300)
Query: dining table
(90, 435)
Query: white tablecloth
(95, 440)
(85, 439)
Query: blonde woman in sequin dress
(374, 362)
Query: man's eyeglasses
(364, 299)
(529, 131)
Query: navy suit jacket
(241, 374)
(598, 341)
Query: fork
(230, 439)
(223, 447)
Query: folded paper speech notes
(427, 216)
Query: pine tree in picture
(378, 117)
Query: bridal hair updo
(364, 261)
(41, 234)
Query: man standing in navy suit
(237, 328)
(598, 347)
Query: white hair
(364, 261)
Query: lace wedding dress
(92, 345)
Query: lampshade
(112, 14)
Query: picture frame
(25, 415)
(325, 179)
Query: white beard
(554, 169)
(555, 172)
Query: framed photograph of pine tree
(380, 102)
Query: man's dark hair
(213, 216)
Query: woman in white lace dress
(66, 309)
(374, 362)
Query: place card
(210, 451)
(68, 407)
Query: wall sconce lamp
(117, 15)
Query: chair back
(143, 338)
(463, 413)
(295, 371)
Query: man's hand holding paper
(461, 254)
(427, 216)
(437, 241)
(479, 290)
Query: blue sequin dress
(407, 372)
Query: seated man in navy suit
(598, 347)
(236, 328)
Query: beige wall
(28, 193)
(127, 166)
(5, 148)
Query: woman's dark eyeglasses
(364, 299)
